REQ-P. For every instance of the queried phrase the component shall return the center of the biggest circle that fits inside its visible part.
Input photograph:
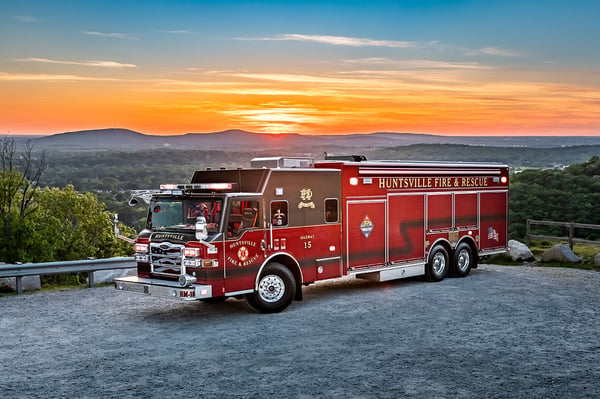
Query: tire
(276, 289)
(463, 260)
(438, 265)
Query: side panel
(439, 212)
(304, 220)
(406, 227)
(465, 210)
(329, 268)
(317, 249)
(365, 233)
(493, 219)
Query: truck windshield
(181, 214)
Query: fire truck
(264, 232)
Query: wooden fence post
(571, 234)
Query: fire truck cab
(265, 231)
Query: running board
(394, 273)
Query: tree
(70, 225)
(51, 224)
(572, 195)
(19, 182)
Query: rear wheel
(463, 260)
(276, 289)
(438, 265)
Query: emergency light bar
(198, 186)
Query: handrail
(72, 266)
(571, 226)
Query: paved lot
(502, 332)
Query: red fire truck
(265, 231)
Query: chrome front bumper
(162, 288)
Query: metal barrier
(90, 266)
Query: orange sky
(158, 81)
(365, 101)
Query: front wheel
(276, 289)
(437, 266)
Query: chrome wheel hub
(464, 260)
(271, 288)
(439, 263)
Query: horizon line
(9, 134)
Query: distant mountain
(99, 138)
(125, 139)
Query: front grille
(165, 258)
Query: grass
(586, 252)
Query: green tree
(19, 183)
(70, 225)
(572, 195)
(51, 224)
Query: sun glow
(418, 97)
(278, 119)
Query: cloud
(418, 64)
(47, 77)
(93, 63)
(297, 78)
(178, 32)
(110, 35)
(339, 40)
(500, 52)
(25, 18)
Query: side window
(331, 210)
(279, 213)
(243, 215)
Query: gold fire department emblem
(306, 199)
(243, 254)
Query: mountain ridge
(122, 138)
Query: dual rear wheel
(440, 264)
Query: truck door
(328, 246)
(406, 213)
(366, 232)
(245, 236)
(493, 216)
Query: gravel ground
(502, 332)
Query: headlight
(191, 252)
(143, 248)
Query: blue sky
(166, 67)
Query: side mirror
(201, 228)
(133, 202)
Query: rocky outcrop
(519, 251)
(560, 253)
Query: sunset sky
(312, 67)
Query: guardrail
(570, 238)
(74, 266)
